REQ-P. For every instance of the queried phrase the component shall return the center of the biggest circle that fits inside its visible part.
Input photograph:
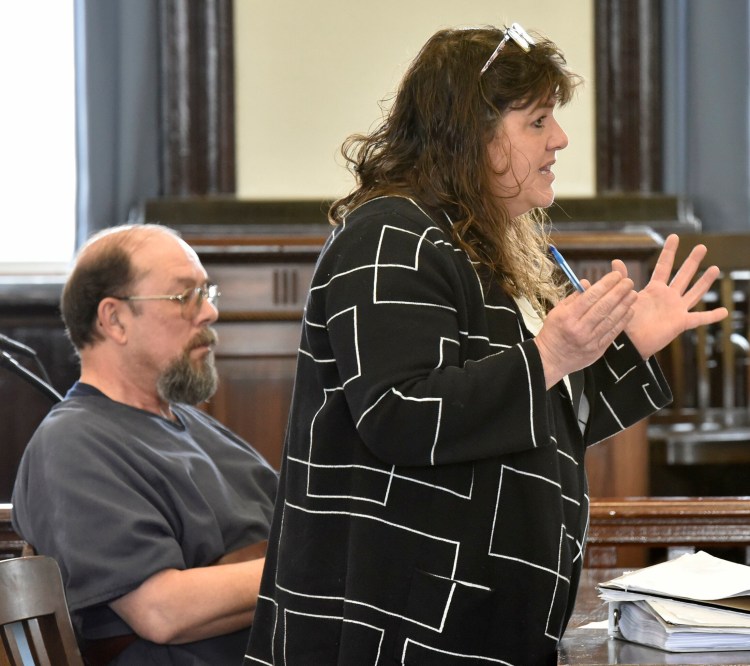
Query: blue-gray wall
(706, 60)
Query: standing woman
(433, 502)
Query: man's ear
(110, 322)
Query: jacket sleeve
(625, 389)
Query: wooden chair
(678, 524)
(708, 423)
(32, 603)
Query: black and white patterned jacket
(433, 503)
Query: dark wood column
(197, 107)
(628, 96)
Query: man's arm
(174, 606)
(252, 552)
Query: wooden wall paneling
(256, 363)
(264, 279)
(265, 291)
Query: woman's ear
(109, 322)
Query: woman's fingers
(665, 262)
(607, 299)
(619, 266)
(701, 286)
(703, 317)
(577, 331)
(689, 268)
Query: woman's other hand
(664, 309)
(578, 330)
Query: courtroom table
(593, 647)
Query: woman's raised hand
(664, 308)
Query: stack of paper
(694, 603)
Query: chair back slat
(12, 654)
(36, 641)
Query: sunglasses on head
(518, 35)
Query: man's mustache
(206, 337)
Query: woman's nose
(558, 139)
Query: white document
(697, 576)
(694, 603)
(638, 622)
(680, 614)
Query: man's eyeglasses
(191, 300)
(518, 35)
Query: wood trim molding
(664, 521)
(228, 214)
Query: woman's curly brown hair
(432, 145)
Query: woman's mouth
(546, 170)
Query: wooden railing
(678, 524)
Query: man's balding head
(103, 267)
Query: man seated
(133, 490)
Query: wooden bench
(677, 524)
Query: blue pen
(566, 269)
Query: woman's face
(522, 154)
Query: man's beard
(184, 382)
